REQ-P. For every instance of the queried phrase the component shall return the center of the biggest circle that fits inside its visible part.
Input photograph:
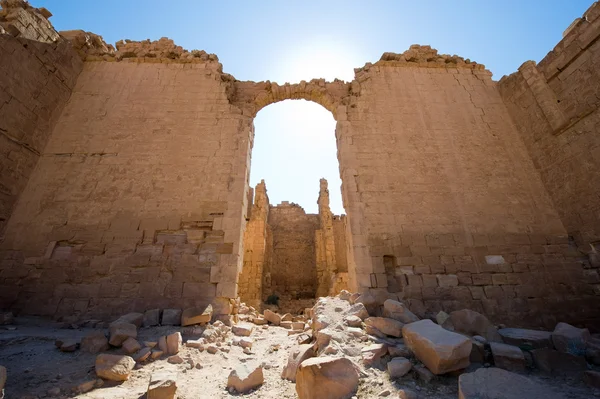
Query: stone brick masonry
(125, 177)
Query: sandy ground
(36, 367)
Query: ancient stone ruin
(124, 195)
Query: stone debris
(440, 350)
(174, 343)
(469, 322)
(142, 355)
(242, 330)
(372, 354)
(358, 310)
(296, 355)
(245, 377)
(272, 317)
(163, 385)
(398, 367)
(119, 332)
(162, 344)
(196, 343)
(94, 342)
(131, 345)
(171, 317)
(353, 321)
(156, 354)
(521, 337)
(569, 339)
(130, 318)
(175, 359)
(114, 367)
(197, 315)
(400, 350)
(385, 325)
(501, 384)
(507, 357)
(397, 311)
(326, 378)
(151, 318)
(67, 345)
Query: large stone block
(440, 350)
(114, 367)
(326, 378)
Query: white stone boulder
(114, 367)
(242, 330)
(163, 385)
(501, 384)
(131, 318)
(440, 350)
(326, 378)
(245, 377)
(398, 367)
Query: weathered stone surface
(130, 318)
(245, 377)
(131, 345)
(119, 332)
(151, 318)
(296, 355)
(171, 317)
(197, 315)
(163, 385)
(533, 339)
(142, 355)
(558, 363)
(162, 344)
(326, 378)
(398, 311)
(439, 349)
(569, 339)
(174, 343)
(441, 317)
(508, 357)
(371, 354)
(358, 310)
(272, 317)
(501, 384)
(94, 342)
(469, 322)
(114, 367)
(385, 325)
(242, 329)
(398, 367)
(353, 321)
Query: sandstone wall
(37, 73)
(554, 105)
(138, 199)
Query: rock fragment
(508, 357)
(245, 377)
(114, 367)
(398, 367)
(242, 330)
(174, 343)
(296, 355)
(569, 339)
(94, 342)
(163, 385)
(326, 378)
(272, 317)
(385, 325)
(151, 318)
(196, 315)
(533, 339)
(131, 345)
(469, 322)
(171, 317)
(398, 311)
(119, 332)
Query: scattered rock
(477, 352)
(508, 357)
(287, 317)
(591, 377)
(175, 359)
(569, 339)
(423, 373)
(286, 324)
(326, 378)
(69, 346)
(130, 318)
(398, 311)
(521, 337)
(272, 317)
(242, 330)
(142, 355)
(439, 349)
(246, 343)
(131, 345)
(398, 367)
(259, 321)
(195, 343)
(114, 367)
(119, 332)
(163, 385)
(156, 353)
(151, 318)
(373, 353)
(174, 343)
(245, 377)
(85, 386)
(162, 344)
(171, 317)
(358, 310)
(344, 295)
(469, 322)
(501, 384)
(407, 394)
(212, 349)
(399, 350)
(353, 321)
(558, 363)
(297, 355)
(94, 342)
(197, 315)
(385, 325)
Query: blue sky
(289, 40)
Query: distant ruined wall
(140, 198)
(554, 105)
(38, 70)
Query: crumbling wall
(443, 186)
(139, 199)
(554, 105)
(38, 70)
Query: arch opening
(294, 251)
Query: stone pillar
(325, 244)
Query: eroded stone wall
(554, 105)
(38, 70)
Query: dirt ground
(36, 368)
